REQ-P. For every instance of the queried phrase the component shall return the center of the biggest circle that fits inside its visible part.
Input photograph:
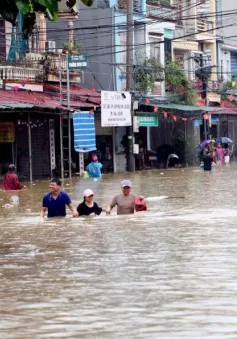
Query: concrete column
(70, 32)
(42, 32)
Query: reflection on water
(166, 273)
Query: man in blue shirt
(55, 201)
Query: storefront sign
(7, 132)
(52, 144)
(116, 109)
(148, 120)
(77, 61)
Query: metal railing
(160, 12)
(21, 73)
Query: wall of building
(96, 41)
(229, 5)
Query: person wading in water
(55, 201)
(11, 181)
(125, 202)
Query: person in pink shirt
(219, 154)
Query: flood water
(169, 272)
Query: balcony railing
(157, 11)
(36, 67)
(21, 73)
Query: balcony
(160, 10)
(38, 68)
(19, 73)
(52, 69)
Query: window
(179, 59)
(154, 48)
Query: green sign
(148, 120)
(168, 33)
(77, 61)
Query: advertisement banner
(7, 132)
(116, 109)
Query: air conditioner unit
(50, 46)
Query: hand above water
(75, 214)
(108, 210)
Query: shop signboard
(148, 120)
(116, 109)
(77, 61)
(7, 132)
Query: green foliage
(67, 46)
(9, 10)
(177, 82)
(151, 71)
(147, 73)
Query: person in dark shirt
(208, 162)
(88, 206)
(55, 201)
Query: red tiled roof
(51, 99)
(77, 92)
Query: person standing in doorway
(11, 181)
(56, 201)
(141, 157)
(125, 202)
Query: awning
(184, 108)
(13, 106)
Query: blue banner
(84, 131)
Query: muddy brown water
(167, 273)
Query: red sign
(200, 103)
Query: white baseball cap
(126, 183)
(88, 193)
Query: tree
(147, 73)
(178, 83)
(150, 71)
(9, 9)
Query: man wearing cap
(125, 202)
(10, 180)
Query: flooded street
(169, 272)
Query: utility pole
(130, 82)
(204, 94)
